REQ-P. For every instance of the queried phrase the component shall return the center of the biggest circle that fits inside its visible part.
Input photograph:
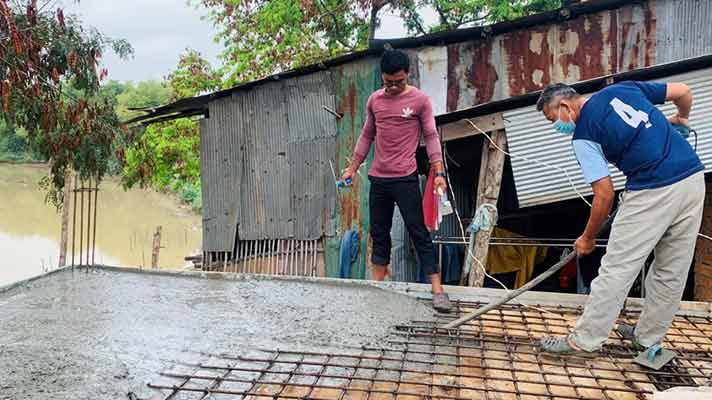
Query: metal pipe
(528, 286)
(89, 219)
(96, 206)
(518, 244)
(81, 226)
(74, 220)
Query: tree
(263, 37)
(466, 13)
(167, 155)
(49, 85)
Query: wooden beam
(64, 235)
(462, 128)
(488, 188)
(703, 253)
(157, 248)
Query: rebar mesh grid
(494, 357)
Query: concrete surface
(104, 334)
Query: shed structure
(270, 204)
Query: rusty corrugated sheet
(353, 84)
(432, 63)
(524, 61)
(683, 29)
(281, 134)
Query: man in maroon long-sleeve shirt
(396, 116)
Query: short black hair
(553, 92)
(394, 61)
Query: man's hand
(584, 246)
(439, 185)
(348, 173)
(678, 120)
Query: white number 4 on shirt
(628, 114)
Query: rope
(481, 210)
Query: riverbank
(126, 222)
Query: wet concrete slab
(104, 334)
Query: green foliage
(142, 94)
(193, 76)
(49, 85)
(263, 37)
(166, 155)
(14, 145)
(467, 13)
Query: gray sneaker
(627, 332)
(441, 303)
(560, 346)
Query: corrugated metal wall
(353, 84)
(639, 35)
(266, 150)
(403, 266)
(266, 163)
(530, 135)
(683, 29)
(220, 186)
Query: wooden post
(703, 253)
(156, 248)
(487, 192)
(64, 236)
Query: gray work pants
(665, 220)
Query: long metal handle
(529, 285)
(512, 294)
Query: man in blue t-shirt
(661, 210)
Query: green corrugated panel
(353, 84)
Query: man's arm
(432, 143)
(603, 196)
(595, 171)
(363, 146)
(681, 95)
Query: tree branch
(473, 20)
(441, 13)
(412, 16)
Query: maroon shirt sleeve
(368, 133)
(430, 132)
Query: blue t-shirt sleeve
(591, 159)
(654, 91)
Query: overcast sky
(160, 30)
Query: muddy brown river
(126, 221)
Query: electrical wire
(469, 250)
(556, 167)
(568, 177)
